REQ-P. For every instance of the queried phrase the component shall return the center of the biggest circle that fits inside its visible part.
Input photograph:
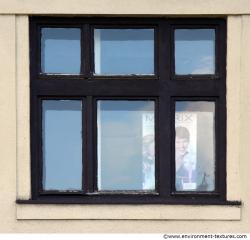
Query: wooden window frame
(163, 87)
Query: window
(128, 110)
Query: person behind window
(189, 176)
(185, 162)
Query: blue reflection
(62, 145)
(60, 50)
(121, 135)
(201, 106)
(124, 51)
(194, 51)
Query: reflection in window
(62, 145)
(124, 51)
(126, 146)
(60, 50)
(195, 146)
(194, 51)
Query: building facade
(21, 212)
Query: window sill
(28, 209)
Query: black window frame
(163, 87)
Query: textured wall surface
(109, 7)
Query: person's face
(181, 145)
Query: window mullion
(89, 165)
(86, 50)
(164, 112)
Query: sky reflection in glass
(124, 51)
(194, 51)
(60, 50)
(62, 145)
(126, 148)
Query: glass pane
(60, 50)
(194, 51)
(124, 51)
(126, 149)
(195, 146)
(62, 145)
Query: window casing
(164, 88)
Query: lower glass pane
(62, 145)
(195, 146)
(126, 146)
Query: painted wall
(14, 126)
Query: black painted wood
(163, 87)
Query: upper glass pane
(124, 51)
(195, 146)
(60, 50)
(62, 145)
(194, 51)
(126, 145)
